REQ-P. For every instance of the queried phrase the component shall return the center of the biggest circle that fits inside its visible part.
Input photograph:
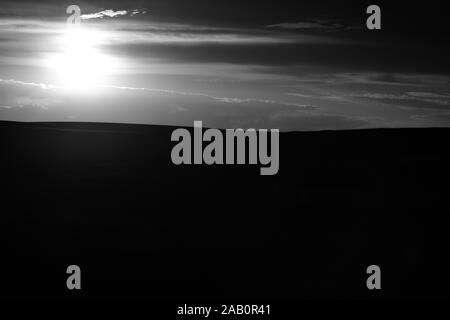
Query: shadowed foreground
(108, 198)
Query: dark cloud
(312, 25)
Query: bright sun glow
(79, 66)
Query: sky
(303, 65)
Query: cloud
(428, 95)
(266, 101)
(230, 100)
(383, 78)
(22, 83)
(137, 11)
(387, 96)
(423, 97)
(23, 95)
(143, 32)
(111, 14)
(323, 96)
(312, 25)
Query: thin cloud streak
(22, 83)
(317, 24)
(229, 100)
(110, 13)
(220, 99)
(438, 99)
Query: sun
(79, 66)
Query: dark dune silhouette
(108, 198)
